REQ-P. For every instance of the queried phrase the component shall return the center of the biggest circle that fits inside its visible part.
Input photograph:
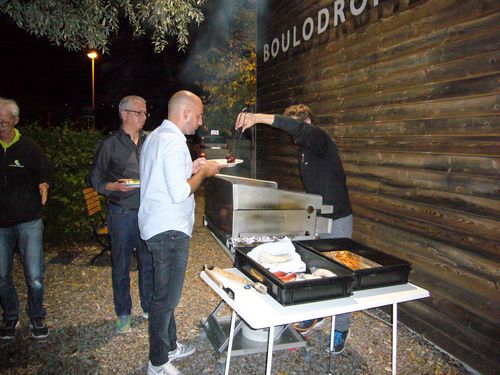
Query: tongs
(237, 137)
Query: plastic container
(386, 269)
(296, 292)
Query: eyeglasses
(4, 123)
(138, 113)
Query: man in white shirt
(166, 218)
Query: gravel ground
(80, 316)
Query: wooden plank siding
(409, 89)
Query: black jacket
(116, 157)
(23, 167)
(320, 165)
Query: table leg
(230, 344)
(332, 338)
(270, 342)
(394, 336)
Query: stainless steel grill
(241, 210)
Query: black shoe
(339, 339)
(8, 330)
(39, 329)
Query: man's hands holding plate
(127, 184)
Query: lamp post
(92, 54)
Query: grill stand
(217, 328)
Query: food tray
(296, 292)
(376, 269)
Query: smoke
(221, 61)
(217, 32)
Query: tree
(83, 24)
(223, 61)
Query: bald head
(185, 110)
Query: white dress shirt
(165, 167)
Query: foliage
(71, 151)
(79, 25)
(224, 65)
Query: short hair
(127, 99)
(14, 108)
(301, 111)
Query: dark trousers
(170, 252)
(125, 236)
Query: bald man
(166, 218)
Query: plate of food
(228, 163)
(130, 182)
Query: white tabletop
(261, 311)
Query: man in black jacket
(24, 182)
(116, 160)
(322, 173)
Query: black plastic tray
(296, 292)
(392, 270)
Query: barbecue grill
(242, 213)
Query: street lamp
(92, 54)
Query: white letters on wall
(323, 20)
(307, 29)
(308, 26)
(357, 11)
(338, 11)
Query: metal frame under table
(262, 311)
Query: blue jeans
(29, 237)
(170, 251)
(125, 236)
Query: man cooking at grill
(322, 173)
(166, 217)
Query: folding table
(262, 311)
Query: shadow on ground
(69, 356)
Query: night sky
(37, 75)
(52, 84)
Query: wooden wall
(410, 92)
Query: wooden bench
(97, 221)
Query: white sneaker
(166, 369)
(182, 350)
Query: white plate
(226, 164)
(129, 183)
